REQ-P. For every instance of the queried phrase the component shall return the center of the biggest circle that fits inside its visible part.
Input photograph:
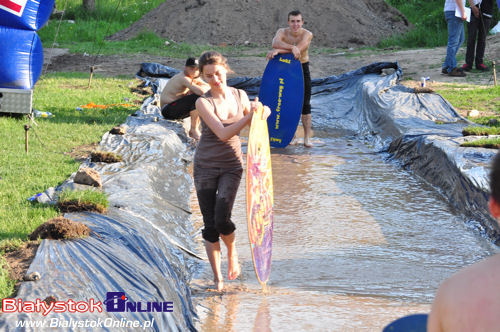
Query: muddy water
(357, 243)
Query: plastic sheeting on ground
(422, 131)
(143, 247)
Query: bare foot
(307, 143)
(233, 270)
(219, 285)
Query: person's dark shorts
(216, 189)
(180, 108)
(306, 107)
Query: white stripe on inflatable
(15, 7)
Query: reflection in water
(357, 243)
(221, 314)
(263, 318)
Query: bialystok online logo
(118, 302)
(115, 302)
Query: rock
(43, 198)
(493, 122)
(117, 131)
(473, 114)
(34, 276)
(70, 185)
(88, 176)
(50, 299)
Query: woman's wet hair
(213, 58)
(495, 178)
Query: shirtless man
(296, 40)
(469, 300)
(178, 98)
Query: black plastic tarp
(144, 246)
(421, 130)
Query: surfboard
(259, 196)
(410, 323)
(282, 89)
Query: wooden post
(90, 78)
(494, 74)
(26, 128)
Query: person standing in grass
(477, 28)
(469, 300)
(456, 36)
(218, 163)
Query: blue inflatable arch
(22, 53)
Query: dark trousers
(477, 27)
(180, 108)
(306, 106)
(216, 189)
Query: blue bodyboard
(410, 323)
(282, 90)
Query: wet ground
(358, 242)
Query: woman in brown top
(218, 164)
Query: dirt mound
(60, 228)
(333, 23)
(105, 157)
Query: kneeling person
(178, 98)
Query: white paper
(467, 13)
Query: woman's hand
(266, 112)
(256, 104)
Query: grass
(104, 156)
(97, 200)
(466, 97)
(489, 143)
(49, 162)
(84, 196)
(427, 17)
(480, 131)
(486, 99)
(83, 32)
(6, 283)
(430, 29)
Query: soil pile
(60, 228)
(334, 24)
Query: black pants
(180, 108)
(216, 189)
(476, 27)
(306, 106)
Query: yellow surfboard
(259, 194)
